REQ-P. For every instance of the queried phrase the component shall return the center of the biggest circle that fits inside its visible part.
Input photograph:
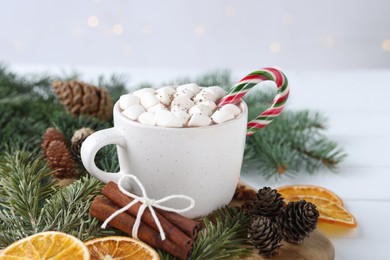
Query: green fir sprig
(31, 202)
(294, 142)
(224, 236)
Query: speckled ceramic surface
(201, 162)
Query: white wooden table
(356, 104)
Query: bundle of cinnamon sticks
(180, 231)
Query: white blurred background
(195, 35)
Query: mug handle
(251, 80)
(93, 144)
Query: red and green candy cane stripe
(247, 83)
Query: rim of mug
(242, 105)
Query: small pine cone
(83, 99)
(268, 203)
(264, 234)
(77, 140)
(298, 221)
(60, 160)
(51, 134)
(247, 207)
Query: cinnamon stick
(188, 226)
(102, 208)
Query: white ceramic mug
(201, 162)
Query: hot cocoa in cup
(185, 106)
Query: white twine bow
(146, 203)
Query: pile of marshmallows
(185, 106)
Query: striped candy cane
(244, 85)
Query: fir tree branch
(30, 202)
(224, 236)
(68, 210)
(227, 237)
(320, 154)
(13, 227)
(14, 85)
(292, 143)
(24, 186)
(68, 124)
(28, 107)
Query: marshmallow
(128, 100)
(147, 118)
(157, 107)
(178, 108)
(191, 86)
(167, 119)
(184, 93)
(232, 109)
(204, 95)
(221, 116)
(183, 116)
(200, 109)
(217, 91)
(169, 90)
(210, 104)
(148, 100)
(199, 120)
(133, 112)
(143, 90)
(183, 102)
(164, 98)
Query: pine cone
(247, 207)
(60, 160)
(268, 203)
(77, 140)
(83, 99)
(51, 134)
(264, 235)
(298, 221)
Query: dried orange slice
(117, 247)
(47, 245)
(330, 212)
(309, 190)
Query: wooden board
(317, 246)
